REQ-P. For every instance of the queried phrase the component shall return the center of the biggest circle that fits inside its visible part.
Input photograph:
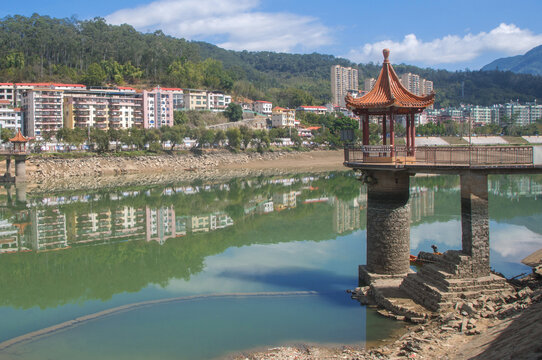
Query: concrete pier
(20, 168)
(475, 223)
(388, 223)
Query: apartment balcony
(100, 119)
(115, 119)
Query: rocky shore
(42, 169)
(508, 327)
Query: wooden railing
(443, 155)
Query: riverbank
(41, 169)
(507, 328)
(51, 174)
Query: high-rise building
(416, 85)
(411, 82)
(368, 84)
(342, 80)
(157, 108)
(43, 110)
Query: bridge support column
(475, 224)
(20, 193)
(8, 167)
(20, 168)
(388, 224)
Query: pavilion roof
(19, 138)
(388, 92)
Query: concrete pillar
(475, 222)
(20, 169)
(388, 223)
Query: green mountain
(41, 49)
(529, 63)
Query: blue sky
(434, 33)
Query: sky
(444, 34)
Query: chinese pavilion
(19, 142)
(389, 98)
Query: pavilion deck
(438, 159)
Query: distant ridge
(529, 63)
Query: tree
(234, 138)
(6, 134)
(234, 112)
(100, 138)
(94, 76)
(246, 136)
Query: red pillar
(407, 123)
(384, 130)
(366, 129)
(413, 129)
(392, 133)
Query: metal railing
(442, 155)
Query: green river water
(200, 260)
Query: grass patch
(515, 140)
(454, 140)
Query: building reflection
(50, 223)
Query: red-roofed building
(319, 110)
(282, 117)
(262, 107)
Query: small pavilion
(19, 142)
(388, 98)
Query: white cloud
(235, 21)
(506, 38)
(515, 242)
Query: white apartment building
(7, 93)
(319, 110)
(10, 118)
(342, 80)
(479, 114)
(218, 101)
(157, 108)
(262, 107)
(103, 109)
(42, 109)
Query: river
(208, 269)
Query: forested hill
(529, 63)
(41, 48)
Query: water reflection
(79, 252)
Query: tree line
(41, 48)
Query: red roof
(52, 84)
(19, 138)
(261, 101)
(388, 92)
(125, 88)
(313, 107)
(169, 89)
(311, 128)
(4, 84)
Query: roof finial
(386, 53)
